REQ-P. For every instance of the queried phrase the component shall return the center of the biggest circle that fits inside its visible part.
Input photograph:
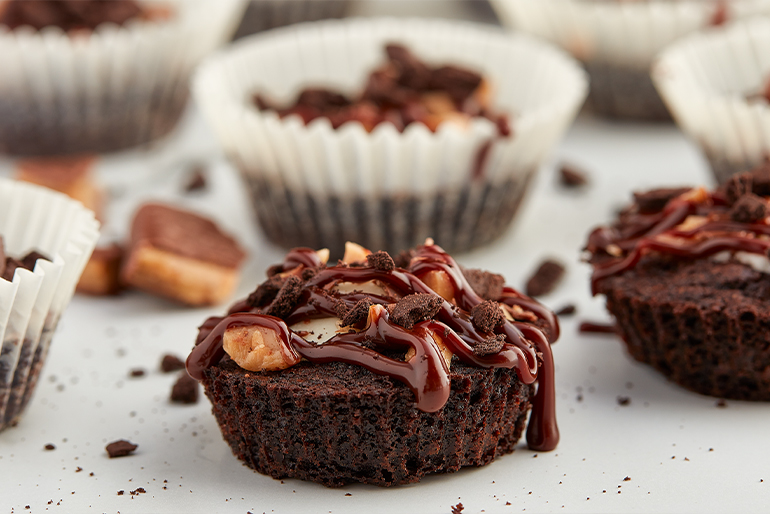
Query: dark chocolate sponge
(337, 423)
(703, 324)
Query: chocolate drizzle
(526, 348)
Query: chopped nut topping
(255, 348)
(440, 283)
(355, 253)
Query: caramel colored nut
(440, 283)
(323, 255)
(255, 349)
(445, 352)
(354, 253)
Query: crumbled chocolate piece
(121, 492)
(29, 260)
(266, 291)
(415, 308)
(749, 208)
(49, 447)
(650, 202)
(274, 270)
(171, 363)
(457, 509)
(321, 99)
(589, 327)
(309, 273)
(10, 268)
(196, 180)
(738, 185)
(120, 448)
(137, 372)
(403, 259)
(627, 479)
(624, 401)
(412, 72)
(487, 315)
(357, 316)
(570, 176)
(185, 390)
(760, 179)
(487, 285)
(458, 82)
(286, 298)
(567, 310)
(381, 261)
(489, 346)
(545, 279)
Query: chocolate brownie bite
(420, 379)
(688, 282)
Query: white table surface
(681, 451)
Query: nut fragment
(323, 255)
(255, 348)
(445, 351)
(354, 253)
(439, 281)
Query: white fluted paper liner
(268, 14)
(35, 218)
(706, 78)
(112, 89)
(317, 186)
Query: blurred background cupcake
(96, 76)
(319, 180)
(717, 85)
(268, 14)
(47, 239)
(617, 40)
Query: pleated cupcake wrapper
(705, 80)
(267, 14)
(317, 186)
(34, 218)
(618, 41)
(115, 88)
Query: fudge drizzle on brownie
(407, 315)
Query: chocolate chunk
(457, 82)
(487, 315)
(120, 448)
(381, 261)
(624, 401)
(265, 292)
(50, 447)
(286, 298)
(457, 509)
(737, 186)
(196, 181)
(749, 208)
(570, 176)
(309, 273)
(357, 316)
(171, 363)
(489, 346)
(415, 308)
(185, 389)
(589, 327)
(567, 310)
(545, 279)
(487, 285)
(761, 180)
(274, 270)
(412, 72)
(650, 202)
(137, 372)
(322, 99)
(382, 89)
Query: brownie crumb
(721, 403)
(487, 285)
(487, 315)
(589, 327)
(381, 261)
(286, 298)
(749, 208)
(738, 185)
(266, 291)
(489, 346)
(357, 316)
(137, 372)
(567, 310)
(171, 363)
(415, 308)
(49, 447)
(627, 479)
(403, 259)
(650, 202)
(120, 448)
(571, 177)
(457, 509)
(185, 390)
(196, 181)
(545, 279)
(624, 401)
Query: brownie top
(407, 318)
(68, 15)
(685, 224)
(184, 233)
(403, 91)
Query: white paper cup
(35, 218)
(115, 88)
(319, 187)
(617, 40)
(706, 80)
(268, 14)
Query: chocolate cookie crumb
(487, 315)
(624, 401)
(414, 308)
(589, 327)
(137, 372)
(655, 200)
(171, 363)
(567, 310)
(571, 177)
(545, 279)
(749, 208)
(487, 285)
(381, 261)
(457, 509)
(721, 403)
(627, 479)
(489, 346)
(196, 181)
(357, 316)
(120, 448)
(403, 259)
(49, 447)
(266, 291)
(738, 185)
(185, 390)
(286, 298)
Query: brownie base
(703, 324)
(458, 220)
(624, 92)
(338, 423)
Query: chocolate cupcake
(95, 76)
(686, 275)
(387, 185)
(56, 235)
(378, 370)
(617, 41)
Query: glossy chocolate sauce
(527, 349)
